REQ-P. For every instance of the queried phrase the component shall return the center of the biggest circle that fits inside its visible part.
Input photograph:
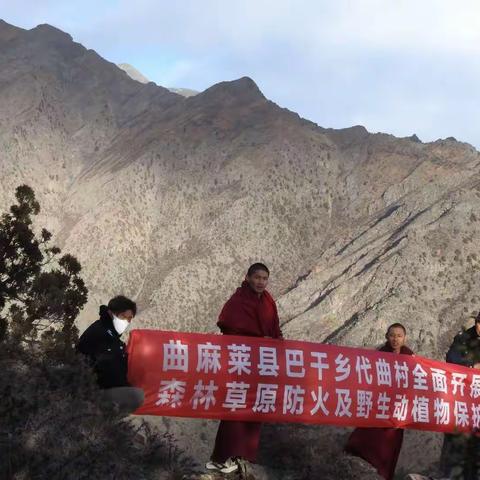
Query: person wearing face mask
(106, 352)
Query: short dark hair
(477, 318)
(255, 267)
(121, 304)
(397, 325)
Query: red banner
(260, 379)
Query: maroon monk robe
(245, 313)
(378, 446)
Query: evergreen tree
(41, 292)
(53, 421)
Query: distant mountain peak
(243, 90)
(6, 25)
(135, 74)
(50, 32)
(132, 72)
(414, 138)
(184, 92)
(8, 31)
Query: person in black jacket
(463, 450)
(465, 349)
(101, 343)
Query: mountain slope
(168, 199)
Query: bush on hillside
(54, 424)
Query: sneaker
(416, 476)
(211, 465)
(242, 468)
(229, 466)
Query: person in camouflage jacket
(461, 453)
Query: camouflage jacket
(465, 349)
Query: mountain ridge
(168, 200)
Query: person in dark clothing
(465, 349)
(381, 446)
(250, 311)
(463, 451)
(106, 352)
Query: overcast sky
(396, 66)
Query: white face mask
(120, 324)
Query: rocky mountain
(167, 199)
(185, 92)
(132, 72)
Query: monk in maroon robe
(381, 446)
(250, 311)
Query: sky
(395, 66)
